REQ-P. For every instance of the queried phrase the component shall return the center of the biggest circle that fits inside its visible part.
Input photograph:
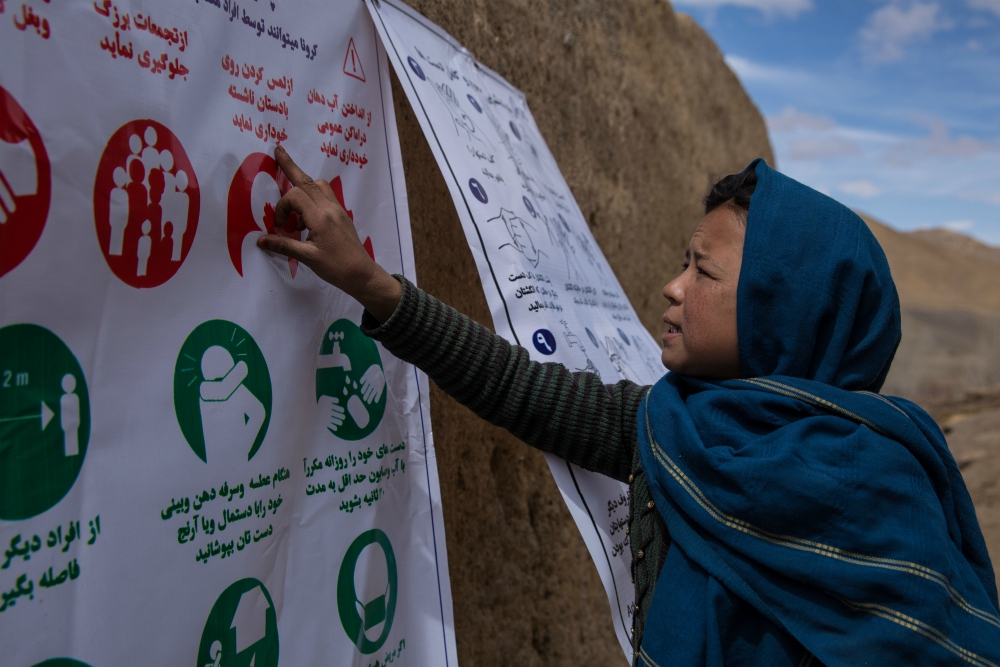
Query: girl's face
(701, 339)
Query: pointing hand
(332, 249)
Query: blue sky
(890, 106)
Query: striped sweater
(572, 415)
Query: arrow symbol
(45, 415)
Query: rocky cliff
(642, 114)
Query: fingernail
(263, 243)
(279, 148)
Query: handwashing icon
(337, 388)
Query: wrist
(378, 292)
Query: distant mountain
(949, 291)
(964, 244)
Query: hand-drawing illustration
(654, 371)
(520, 236)
(559, 236)
(464, 125)
(572, 340)
(619, 358)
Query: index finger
(296, 176)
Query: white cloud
(982, 195)
(822, 149)
(985, 5)
(791, 119)
(863, 188)
(747, 70)
(891, 28)
(959, 225)
(940, 143)
(787, 7)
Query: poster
(203, 461)
(548, 285)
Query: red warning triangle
(352, 62)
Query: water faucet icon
(336, 358)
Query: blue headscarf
(814, 522)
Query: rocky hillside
(949, 289)
(642, 114)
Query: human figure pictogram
(144, 248)
(119, 209)
(69, 416)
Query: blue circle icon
(478, 191)
(528, 205)
(624, 337)
(544, 341)
(593, 338)
(517, 132)
(416, 68)
(563, 220)
(474, 103)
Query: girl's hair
(734, 191)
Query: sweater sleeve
(572, 415)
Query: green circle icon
(350, 382)
(44, 420)
(62, 662)
(222, 392)
(362, 618)
(242, 628)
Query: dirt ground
(972, 427)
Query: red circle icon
(254, 192)
(146, 202)
(25, 183)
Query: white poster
(548, 285)
(203, 461)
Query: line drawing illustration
(464, 124)
(520, 237)
(572, 340)
(618, 356)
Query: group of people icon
(151, 195)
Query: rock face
(642, 114)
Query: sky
(890, 106)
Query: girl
(783, 512)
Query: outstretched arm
(572, 415)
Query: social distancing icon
(350, 382)
(25, 183)
(146, 203)
(242, 628)
(44, 420)
(222, 393)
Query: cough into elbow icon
(222, 393)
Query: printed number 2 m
(10, 379)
